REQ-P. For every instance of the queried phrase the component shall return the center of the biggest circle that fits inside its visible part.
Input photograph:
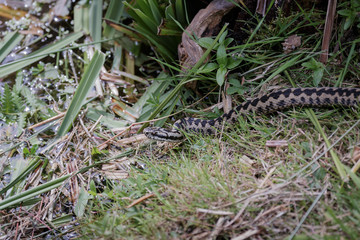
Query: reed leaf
(21, 197)
(87, 82)
(8, 68)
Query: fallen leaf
(291, 43)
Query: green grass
(224, 175)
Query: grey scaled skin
(275, 101)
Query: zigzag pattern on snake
(277, 100)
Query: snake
(275, 101)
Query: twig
(141, 200)
(308, 212)
(330, 15)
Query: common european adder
(275, 101)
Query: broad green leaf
(222, 37)
(82, 201)
(307, 65)
(234, 82)
(240, 90)
(349, 21)
(233, 62)
(92, 186)
(107, 119)
(231, 90)
(344, 12)
(87, 82)
(221, 55)
(209, 67)
(220, 75)
(318, 69)
(227, 41)
(205, 42)
(311, 64)
(317, 76)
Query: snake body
(275, 101)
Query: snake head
(163, 134)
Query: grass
(229, 186)
(286, 175)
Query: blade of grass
(95, 22)
(167, 112)
(61, 220)
(324, 152)
(145, 19)
(154, 6)
(280, 69)
(17, 199)
(180, 11)
(81, 18)
(308, 212)
(288, 63)
(344, 71)
(176, 90)
(6, 69)
(32, 165)
(142, 5)
(8, 43)
(114, 13)
(353, 177)
(86, 83)
(334, 156)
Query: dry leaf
(291, 43)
